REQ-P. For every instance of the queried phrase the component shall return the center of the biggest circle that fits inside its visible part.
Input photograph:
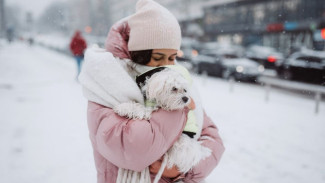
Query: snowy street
(44, 135)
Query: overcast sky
(34, 6)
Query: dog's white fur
(167, 89)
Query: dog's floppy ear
(155, 85)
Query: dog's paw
(141, 112)
(124, 109)
(132, 110)
(147, 114)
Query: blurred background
(259, 66)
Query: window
(259, 14)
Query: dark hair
(142, 57)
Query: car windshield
(229, 56)
(310, 59)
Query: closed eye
(157, 59)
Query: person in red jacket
(77, 47)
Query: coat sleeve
(136, 144)
(210, 138)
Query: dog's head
(168, 89)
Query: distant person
(77, 47)
(10, 34)
(30, 41)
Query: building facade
(282, 24)
(2, 19)
(189, 13)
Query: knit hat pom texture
(153, 27)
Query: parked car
(242, 69)
(233, 64)
(267, 56)
(208, 64)
(305, 65)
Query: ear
(155, 86)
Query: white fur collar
(108, 80)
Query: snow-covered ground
(44, 136)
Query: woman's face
(161, 57)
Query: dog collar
(141, 79)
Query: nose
(185, 99)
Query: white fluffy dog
(167, 89)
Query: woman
(150, 37)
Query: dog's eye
(185, 90)
(174, 89)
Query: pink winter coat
(136, 144)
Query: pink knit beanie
(153, 27)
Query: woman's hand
(170, 173)
(191, 106)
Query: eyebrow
(164, 54)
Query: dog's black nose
(185, 99)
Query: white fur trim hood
(108, 80)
